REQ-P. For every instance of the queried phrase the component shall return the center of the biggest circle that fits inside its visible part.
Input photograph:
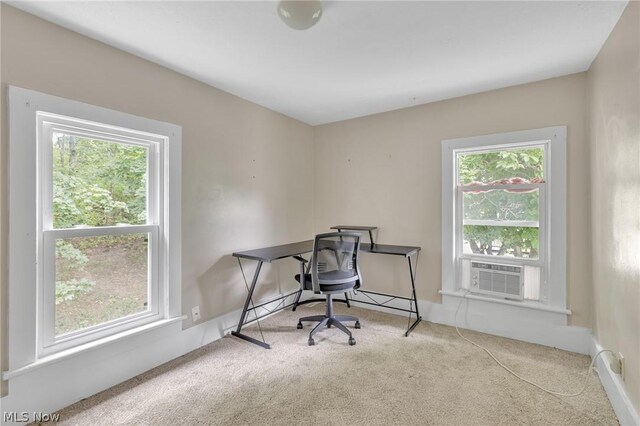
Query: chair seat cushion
(307, 285)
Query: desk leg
(297, 301)
(245, 309)
(415, 299)
(302, 278)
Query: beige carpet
(431, 377)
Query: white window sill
(528, 304)
(77, 350)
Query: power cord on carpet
(455, 321)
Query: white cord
(455, 320)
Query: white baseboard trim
(615, 388)
(570, 338)
(533, 330)
(54, 386)
(542, 328)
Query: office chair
(334, 269)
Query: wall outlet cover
(195, 313)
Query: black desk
(407, 252)
(269, 254)
(266, 254)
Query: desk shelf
(368, 229)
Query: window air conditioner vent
(496, 279)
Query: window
(503, 206)
(500, 206)
(100, 188)
(94, 196)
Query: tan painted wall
(385, 170)
(247, 171)
(614, 88)
(3, 229)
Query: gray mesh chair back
(334, 269)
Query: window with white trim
(101, 229)
(94, 197)
(500, 215)
(504, 216)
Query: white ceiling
(361, 58)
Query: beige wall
(3, 228)
(614, 88)
(385, 170)
(246, 170)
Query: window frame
(552, 254)
(32, 115)
(542, 260)
(48, 124)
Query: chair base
(328, 320)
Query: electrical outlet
(195, 313)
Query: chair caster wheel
(328, 325)
(312, 342)
(352, 341)
(357, 324)
(299, 326)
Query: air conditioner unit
(497, 279)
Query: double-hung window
(101, 228)
(500, 217)
(504, 217)
(95, 200)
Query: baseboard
(615, 388)
(570, 338)
(543, 328)
(532, 330)
(56, 386)
(52, 387)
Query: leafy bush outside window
(98, 183)
(501, 201)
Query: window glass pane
(513, 241)
(99, 279)
(98, 182)
(501, 205)
(505, 166)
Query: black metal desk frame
(295, 250)
(393, 250)
(266, 254)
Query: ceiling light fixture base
(300, 14)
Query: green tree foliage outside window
(499, 209)
(95, 183)
(98, 183)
